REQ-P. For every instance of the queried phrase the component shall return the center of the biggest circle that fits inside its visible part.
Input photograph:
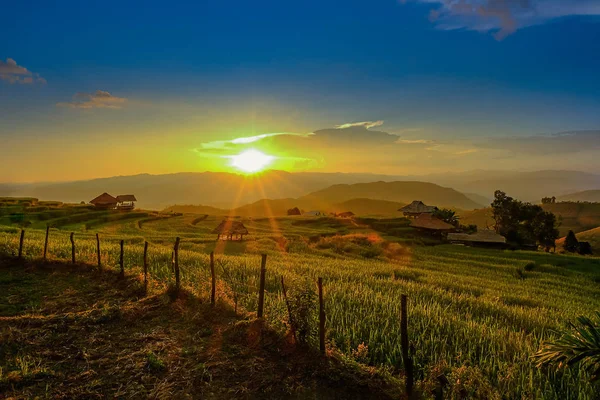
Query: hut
(427, 222)
(482, 238)
(417, 208)
(346, 214)
(229, 229)
(105, 201)
(126, 202)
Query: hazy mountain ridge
(227, 190)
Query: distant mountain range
(472, 189)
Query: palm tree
(579, 346)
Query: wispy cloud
(465, 152)
(227, 144)
(11, 72)
(366, 124)
(98, 99)
(414, 141)
(504, 17)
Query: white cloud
(11, 72)
(98, 99)
(414, 141)
(504, 17)
(366, 124)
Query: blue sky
(449, 72)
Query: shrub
(580, 346)
(530, 266)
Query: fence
(407, 359)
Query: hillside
(402, 192)
(592, 196)
(227, 190)
(216, 189)
(577, 217)
(265, 208)
(592, 236)
(526, 186)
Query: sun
(251, 160)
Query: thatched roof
(482, 236)
(126, 197)
(417, 207)
(228, 227)
(427, 221)
(103, 199)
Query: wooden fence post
(289, 310)
(21, 243)
(176, 255)
(98, 251)
(261, 290)
(321, 317)
(72, 248)
(213, 279)
(404, 344)
(46, 241)
(121, 263)
(145, 266)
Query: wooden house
(126, 202)
(105, 201)
(230, 229)
(417, 208)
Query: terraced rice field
(476, 315)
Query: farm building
(229, 229)
(427, 222)
(105, 201)
(126, 202)
(417, 208)
(482, 238)
(347, 214)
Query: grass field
(475, 315)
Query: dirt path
(73, 332)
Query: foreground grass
(477, 316)
(77, 333)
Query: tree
(447, 216)
(523, 223)
(571, 243)
(585, 248)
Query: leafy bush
(580, 346)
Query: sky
(102, 88)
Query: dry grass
(74, 332)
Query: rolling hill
(592, 196)
(592, 236)
(227, 190)
(279, 207)
(401, 192)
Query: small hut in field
(417, 208)
(230, 229)
(126, 202)
(105, 201)
(347, 214)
